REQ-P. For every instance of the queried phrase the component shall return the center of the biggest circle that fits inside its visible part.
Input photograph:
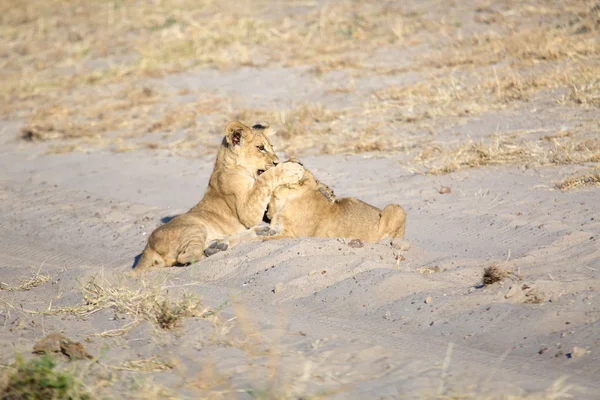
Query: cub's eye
(261, 147)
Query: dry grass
(527, 34)
(101, 54)
(471, 93)
(152, 364)
(139, 302)
(106, 119)
(493, 274)
(78, 71)
(580, 180)
(303, 127)
(35, 280)
(556, 150)
(115, 42)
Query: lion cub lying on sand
(301, 209)
(309, 208)
(245, 175)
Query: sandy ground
(348, 318)
(315, 318)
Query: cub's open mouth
(260, 171)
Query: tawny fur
(301, 210)
(235, 200)
(309, 208)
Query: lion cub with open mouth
(246, 173)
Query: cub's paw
(216, 246)
(265, 231)
(290, 173)
(326, 191)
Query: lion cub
(306, 208)
(246, 173)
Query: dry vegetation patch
(139, 302)
(555, 150)
(467, 93)
(526, 33)
(591, 178)
(78, 71)
(495, 273)
(152, 364)
(57, 45)
(41, 378)
(29, 283)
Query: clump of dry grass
(496, 273)
(152, 364)
(169, 316)
(493, 274)
(580, 180)
(29, 283)
(140, 303)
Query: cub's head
(308, 188)
(250, 148)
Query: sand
(318, 315)
(321, 318)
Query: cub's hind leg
(192, 245)
(392, 222)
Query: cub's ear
(261, 126)
(264, 127)
(235, 132)
(295, 160)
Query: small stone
(278, 287)
(311, 273)
(445, 190)
(429, 270)
(428, 300)
(59, 343)
(356, 244)
(400, 244)
(542, 350)
(577, 352)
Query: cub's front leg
(254, 233)
(252, 206)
